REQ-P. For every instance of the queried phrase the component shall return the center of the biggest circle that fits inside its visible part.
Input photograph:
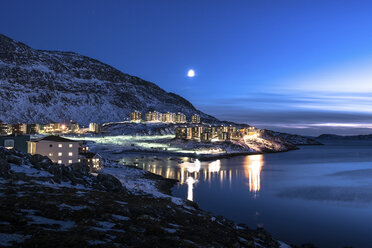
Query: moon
(191, 73)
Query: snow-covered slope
(43, 86)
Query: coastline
(70, 207)
(201, 157)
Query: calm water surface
(318, 194)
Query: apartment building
(58, 149)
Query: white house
(58, 149)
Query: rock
(4, 167)
(80, 168)
(3, 152)
(14, 159)
(39, 161)
(34, 159)
(109, 182)
(55, 169)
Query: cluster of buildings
(23, 128)
(214, 133)
(60, 150)
(155, 116)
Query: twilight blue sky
(298, 66)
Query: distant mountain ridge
(38, 86)
(340, 137)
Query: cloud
(336, 100)
(310, 113)
(354, 77)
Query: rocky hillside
(42, 86)
(325, 137)
(44, 203)
(293, 138)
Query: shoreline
(201, 157)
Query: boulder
(14, 159)
(3, 152)
(55, 169)
(4, 167)
(39, 161)
(108, 182)
(80, 168)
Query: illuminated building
(235, 135)
(20, 128)
(231, 129)
(93, 160)
(33, 128)
(206, 136)
(222, 136)
(52, 127)
(18, 142)
(5, 128)
(73, 127)
(222, 129)
(196, 132)
(195, 119)
(183, 133)
(82, 147)
(58, 149)
(135, 116)
(168, 117)
(154, 116)
(251, 130)
(93, 128)
(180, 118)
(211, 130)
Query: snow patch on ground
(39, 220)
(283, 245)
(96, 242)
(120, 217)
(133, 180)
(170, 230)
(29, 171)
(105, 224)
(6, 239)
(75, 208)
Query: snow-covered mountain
(38, 86)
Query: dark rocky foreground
(49, 205)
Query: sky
(295, 66)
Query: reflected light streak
(214, 166)
(190, 188)
(192, 167)
(252, 170)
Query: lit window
(50, 154)
(60, 154)
(70, 154)
(9, 144)
(59, 145)
(70, 145)
(60, 161)
(79, 160)
(70, 161)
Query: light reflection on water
(191, 171)
(298, 196)
(252, 170)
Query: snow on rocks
(51, 223)
(8, 239)
(134, 180)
